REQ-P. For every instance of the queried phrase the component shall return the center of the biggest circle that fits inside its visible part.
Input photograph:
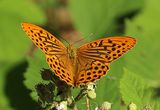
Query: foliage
(13, 49)
(137, 83)
(135, 90)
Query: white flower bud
(91, 94)
(132, 106)
(105, 106)
(62, 106)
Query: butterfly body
(80, 66)
(72, 60)
(72, 52)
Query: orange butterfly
(79, 66)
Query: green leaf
(108, 88)
(14, 46)
(32, 75)
(132, 89)
(13, 40)
(4, 102)
(99, 18)
(136, 90)
(156, 105)
(27, 11)
(144, 58)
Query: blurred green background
(135, 76)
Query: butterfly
(76, 67)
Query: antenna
(64, 40)
(50, 27)
(82, 39)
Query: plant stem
(87, 104)
(80, 95)
(75, 107)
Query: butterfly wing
(94, 57)
(56, 53)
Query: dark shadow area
(16, 91)
(156, 93)
(121, 20)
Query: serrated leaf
(13, 46)
(32, 75)
(132, 89)
(136, 90)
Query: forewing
(94, 57)
(55, 51)
(49, 44)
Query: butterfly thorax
(72, 54)
(73, 59)
(71, 51)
